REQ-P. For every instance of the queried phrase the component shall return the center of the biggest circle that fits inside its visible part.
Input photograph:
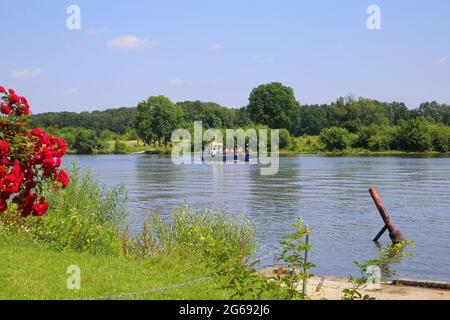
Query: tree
(439, 113)
(275, 105)
(345, 113)
(335, 139)
(166, 118)
(157, 118)
(440, 138)
(381, 140)
(86, 141)
(397, 112)
(285, 139)
(143, 122)
(414, 135)
(313, 119)
(116, 120)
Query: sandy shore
(331, 288)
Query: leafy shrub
(335, 139)
(84, 217)
(390, 255)
(120, 147)
(285, 139)
(210, 234)
(297, 269)
(86, 142)
(414, 135)
(440, 138)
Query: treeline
(118, 120)
(347, 123)
(353, 114)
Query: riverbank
(288, 153)
(330, 288)
(36, 272)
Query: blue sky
(218, 51)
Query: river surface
(330, 193)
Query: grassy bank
(29, 270)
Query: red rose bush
(28, 158)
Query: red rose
(62, 177)
(37, 132)
(6, 109)
(2, 90)
(40, 208)
(4, 147)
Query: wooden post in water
(394, 233)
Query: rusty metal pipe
(394, 233)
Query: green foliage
(143, 122)
(83, 217)
(391, 254)
(157, 118)
(242, 279)
(210, 234)
(275, 105)
(107, 135)
(120, 147)
(414, 135)
(69, 134)
(335, 139)
(285, 139)
(86, 142)
(297, 269)
(440, 138)
(440, 113)
(212, 115)
(116, 120)
(314, 118)
(131, 135)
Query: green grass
(32, 271)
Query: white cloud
(176, 82)
(25, 74)
(131, 42)
(443, 60)
(215, 47)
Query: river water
(330, 193)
